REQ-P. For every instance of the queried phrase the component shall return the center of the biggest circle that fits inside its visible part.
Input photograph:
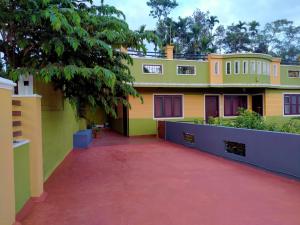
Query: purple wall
(275, 151)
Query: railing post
(7, 186)
(169, 51)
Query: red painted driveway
(145, 181)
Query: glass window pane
(152, 69)
(158, 106)
(177, 106)
(287, 109)
(168, 106)
(294, 99)
(286, 99)
(228, 69)
(294, 109)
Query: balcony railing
(147, 54)
(287, 62)
(202, 57)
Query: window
(235, 148)
(291, 104)
(264, 68)
(293, 74)
(245, 67)
(275, 70)
(216, 68)
(228, 68)
(167, 106)
(152, 69)
(236, 67)
(186, 70)
(252, 67)
(232, 103)
(268, 69)
(258, 67)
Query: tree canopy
(73, 44)
(161, 8)
(202, 33)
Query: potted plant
(96, 132)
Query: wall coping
(27, 96)
(6, 84)
(20, 143)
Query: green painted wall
(22, 175)
(96, 116)
(117, 125)
(148, 126)
(58, 129)
(142, 127)
(284, 79)
(169, 71)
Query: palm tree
(212, 20)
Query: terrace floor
(146, 181)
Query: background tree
(73, 44)
(283, 39)
(199, 33)
(161, 9)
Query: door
(257, 104)
(161, 129)
(125, 121)
(211, 106)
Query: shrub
(220, 122)
(290, 127)
(249, 119)
(252, 120)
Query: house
(214, 86)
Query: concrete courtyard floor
(146, 181)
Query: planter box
(274, 151)
(82, 139)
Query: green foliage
(249, 119)
(192, 35)
(290, 127)
(161, 8)
(73, 44)
(198, 121)
(198, 33)
(220, 122)
(252, 120)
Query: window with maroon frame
(167, 106)
(232, 104)
(292, 104)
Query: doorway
(211, 106)
(257, 104)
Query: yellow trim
(7, 193)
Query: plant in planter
(96, 132)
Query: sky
(227, 11)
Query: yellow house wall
(7, 193)
(275, 78)
(192, 105)
(216, 78)
(274, 101)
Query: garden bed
(275, 151)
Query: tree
(237, 38)
(161, 8)
(75, 45)
(283, 39)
